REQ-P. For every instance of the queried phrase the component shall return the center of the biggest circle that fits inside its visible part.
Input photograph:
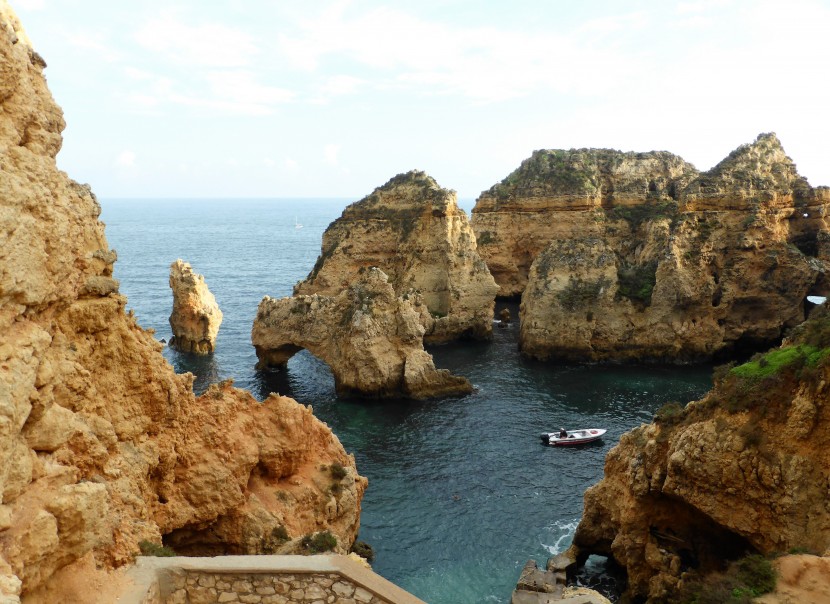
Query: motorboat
(572, 437)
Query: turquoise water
(461, 492)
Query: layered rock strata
(744, 470)
(638, 257)
(371, 338)
(413, 230)
(102, 445)
(196, 317)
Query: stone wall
(207, 588)
(325, 579)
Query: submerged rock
(196, 317)
(638, 257)
(371, 339)
(413, 230)
(102, 444)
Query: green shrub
(338, 472)
(669, 414)
(364, 550)
(772, 362)
(148, 548)
(318, 542)
(637, 282)
(743, 581)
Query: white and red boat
(572, 437)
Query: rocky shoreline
(633, 257)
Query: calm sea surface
(461, 492)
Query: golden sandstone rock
(636, 256)
(102, 445)
(412, 230)
(371, 339)
(196, 317)
(743, 470)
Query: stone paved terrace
(326, 579)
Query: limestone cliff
(743, 470)
(563, 195)
(413, 230)
(371, 338)
(101, 443)
(637, 257)
(196, 317)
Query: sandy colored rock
(637, 257)
(102, 445)
(414, 231)
(562, 195)
(745, 469)
(371, 338)
(196, 317)
(801, 578)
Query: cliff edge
(743, 470)
(638, 257)
(102, 445)
(414, 231)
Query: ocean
(461, 491)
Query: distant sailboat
(297, 225)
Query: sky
(277, 98)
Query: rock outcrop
(102, 445)
(744, 470)
(638, 257)
(196, 317)
(413, 230)
(371, 338)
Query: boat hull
(575, 437)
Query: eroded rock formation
(638, 257)
(102, 445)
(743, 470)
(413, 230)
(371, 338)
(196, 317)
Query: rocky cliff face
(743, 470)
(102, 444)
(413, 230)
(645, 259)
(196, 317)
(371, 339)
(565, 195)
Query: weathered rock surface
(413, 230)
(196, 317)
(371, 338)
(637, 257)
(563, 195)
(101, 443)
(745, 469)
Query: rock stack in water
(413, 230)
(371, 338)
(196, 317)
(102, 445)
(638, 257)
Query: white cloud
(331, 153)
(30, 4)
(126, 159)
(268, 162)
(291, 164)
(207, 44)
(483, 63)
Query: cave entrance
(603, 574)
(811, 302)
